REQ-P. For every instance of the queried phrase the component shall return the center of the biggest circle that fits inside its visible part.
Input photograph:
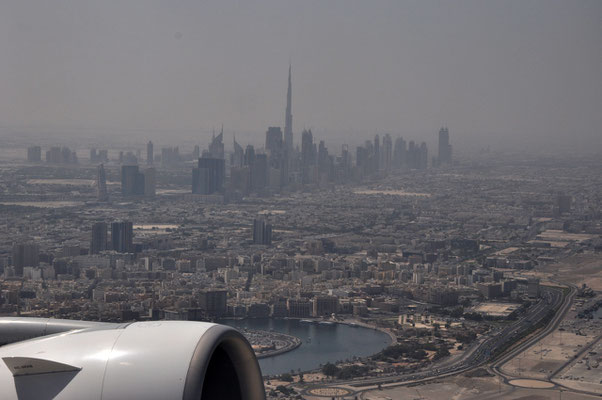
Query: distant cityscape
(457, 261)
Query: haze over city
(512, 75)
(302, 200)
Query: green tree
(286, 377)
(329, 369)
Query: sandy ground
(585, 373)
(539, 361)
(472, 389)
(578, 269)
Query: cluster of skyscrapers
(54, 155)
(280, 165)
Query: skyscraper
(308, 156)
(170, 156)
(399, 153)
(377, 156)
(423, 156)
(273, 140)
(150, 182)
(445, 150)
(259, 172)
(132, 181)
(34, 154)
(249, 155)
(216, 147)
(101, 184)
(273, 146)
(149, 153)
(387, 152)
(262, 232)
(208, 177)
(122, 236)
(288, 118)
(98, 242)
(25, 255)
(237, 158)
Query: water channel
(322, 343)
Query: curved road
(551, 327)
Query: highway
(484, 350)
(551, 327)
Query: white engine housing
(141, 360)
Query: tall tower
(101, 184)
(288, 118)
(149, 153)
(445, 156)
(122, 235)
(98, 242)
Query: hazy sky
(499, 70)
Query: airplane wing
(61, 359)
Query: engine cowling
(146, 360)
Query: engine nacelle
(145, 360)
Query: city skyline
(499, 74)
(301, 199)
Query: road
(482, 351)
(551, 327)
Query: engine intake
(141, 360)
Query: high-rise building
(170, 156)
(208, 177)
(288, 118)
(150, 178)
(136, 183)
(278, 164)
(101, 184)
(216, 147)
(150, 153)
(132, 181)
(399, 153)
(25, 255)
(34, 154)
(423, 156)
(61, 155)
(262, 232)
(237, 158)
(417, 156)
(273, 140)
(387, 152)
(259, 172)
(445, 150)
(98, 242)
(377, 156)
(308, 156)
(249, 155)
(122, 236)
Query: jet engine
(139, 360)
